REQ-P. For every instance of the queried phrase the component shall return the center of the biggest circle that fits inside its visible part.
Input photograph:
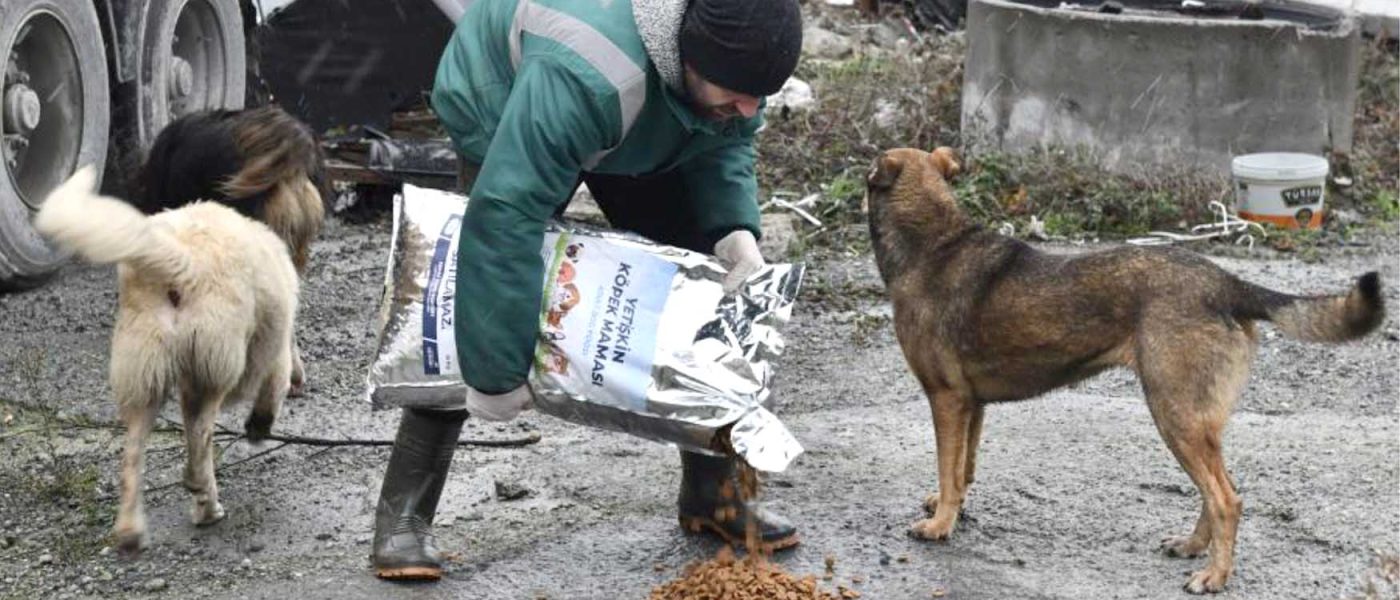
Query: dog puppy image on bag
(262, 162)
(983, 318)
(206, 303)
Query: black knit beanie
(748, 46)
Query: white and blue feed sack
(634, 336)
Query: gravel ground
(1074, 491)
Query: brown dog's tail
(282, 177)
(278, 149)
(1334, 318)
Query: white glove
(738, 252)
(498, 407)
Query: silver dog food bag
(635, 336)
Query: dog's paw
(931, 504)
(1207, 581)
(1184, 546)
(932, 529)
(204, 514)
(258, 426)
(130, 542)
(297, 385)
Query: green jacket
(538, 91)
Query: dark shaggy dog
(262, 162)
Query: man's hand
(498, 407)
(738, 252)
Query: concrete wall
(1154, 90)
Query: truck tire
(192, 58)
(54, 117)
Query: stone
(824, 44)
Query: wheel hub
(181, 78)
(43, 77)
(22, 110)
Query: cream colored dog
(207, 298)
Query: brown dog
(983, 318)
(206, 303)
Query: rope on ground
(532, 438)
(1225, 224)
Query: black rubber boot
(403, 539)
(709, 503)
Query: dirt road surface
(1073, 492)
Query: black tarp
(946, 15)
(337, 63)
(941, 14)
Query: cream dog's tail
(106, 230)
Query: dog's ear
(946, 159)
(884, 172)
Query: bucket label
(1299, 196)
(1288, 204)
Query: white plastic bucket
(1283, 188)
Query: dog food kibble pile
(753, 577)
